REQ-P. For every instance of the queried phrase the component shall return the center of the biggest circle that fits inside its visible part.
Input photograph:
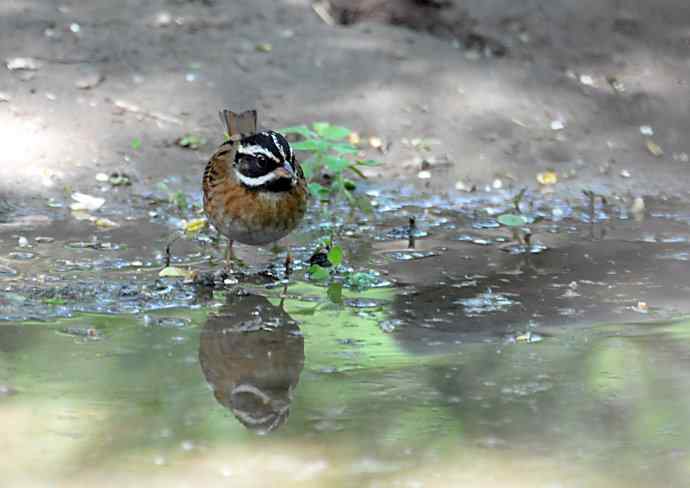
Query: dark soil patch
(440, 18)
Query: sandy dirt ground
(116, 83)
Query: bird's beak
(285, 171)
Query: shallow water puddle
(184, 395)
(468, 358)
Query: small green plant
(334, 258)
(327, 269)
(191, 141)
(592, 201)
(331, 153)
(517, 222)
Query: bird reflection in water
(252, 354)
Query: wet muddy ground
(468, 357)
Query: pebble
(89, 81)
(30, 64)
(638, 206)
(681, 157)
(22, 256)
(557, 125)
(163, 19)
(7, 271)
(7, 391)
(586, 80)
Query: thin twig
(323, 10)
(135, 109)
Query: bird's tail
(240, 125)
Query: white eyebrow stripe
(278, 144)
(255, 149)
(258, 181)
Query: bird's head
(265, 161)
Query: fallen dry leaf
(264, 47)
(89, 81)
(547, 178)
(376, 142)
(654, 148)
(84, 202)
(194, 226)
(104, 223)
(174, 272)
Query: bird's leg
(288, 266)
(288, 272)
(229, 257)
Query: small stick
(229, 257)
(412, 228)
(168, 251)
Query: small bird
(254, 188)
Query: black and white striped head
(265, 161)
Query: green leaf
(512, 220)
(360, 280)
(343, 148)
(336, 164)
(313, 145)
(317, 273)
(179, 199)
(310, 166)
(334, 132)
(350, 185)
(302, 130)
(335, 255)
(335, 293)
(350, 197)
(308, 170)
(319, 190)
(364, 204)
(192, 141)
(136, 143)
(320, 127)
(367, 162)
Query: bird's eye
(254, 167)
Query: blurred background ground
(493, 89)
